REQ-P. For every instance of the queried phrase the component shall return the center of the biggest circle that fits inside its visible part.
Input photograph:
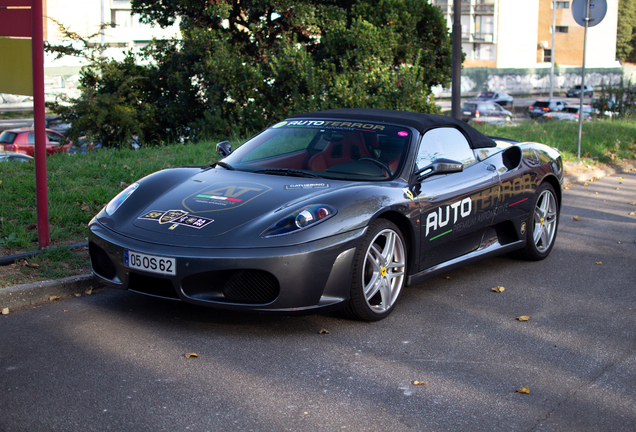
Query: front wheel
(542, 225)
(379, 272)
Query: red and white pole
(37, 52)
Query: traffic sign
(597, 11)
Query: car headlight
(114, 204)
(301, 219)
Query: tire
(543, 223)
(379, 273)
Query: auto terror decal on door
(224, 196)
(443, 215)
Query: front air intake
(232, 286)
(101, 263)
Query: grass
(78, 187)
(601, 140)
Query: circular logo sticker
(278, 125)
(523, 228)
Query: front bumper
(300, 278)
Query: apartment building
(518, 34)
(124, 33)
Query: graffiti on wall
(521, 80)
(542, 82)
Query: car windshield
(348, 150)
(8, 137)
(487, 95)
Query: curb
(600, 173)
(30, 294)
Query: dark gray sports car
(338, 209)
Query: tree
(626, 32)
(240, 66)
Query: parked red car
(23, 141)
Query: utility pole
(457, 60)
(552, 50)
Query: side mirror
(224, 148)
(439, 166)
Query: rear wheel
(379, 272)
(542, 225)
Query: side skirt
(491, 250)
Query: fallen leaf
(620, 242)
(585, 184)
(632, 203)
(5, 311)
(633, 213)
(499, 289)
(447, 277)
(576, 218)
(460, 295)
(323, 331)
(54, 298)
(191, 355)
(618, 188)
(89, 290)
(25, 263)
(125, 166)
(523, 318)
(596, 193)
(599, 263)
(420, 382)
(621, 178)
(524, 390)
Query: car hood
(220, 208)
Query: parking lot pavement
(452, 357)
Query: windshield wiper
(286, 172)
(225, 165)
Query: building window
(124, 18)
(547, 55)
(483, 52)
(563, 5)
(561, 29)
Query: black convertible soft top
(421, 122)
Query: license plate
(150, 263)
(467, 113)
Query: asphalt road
(116, 360)
(15, 123)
